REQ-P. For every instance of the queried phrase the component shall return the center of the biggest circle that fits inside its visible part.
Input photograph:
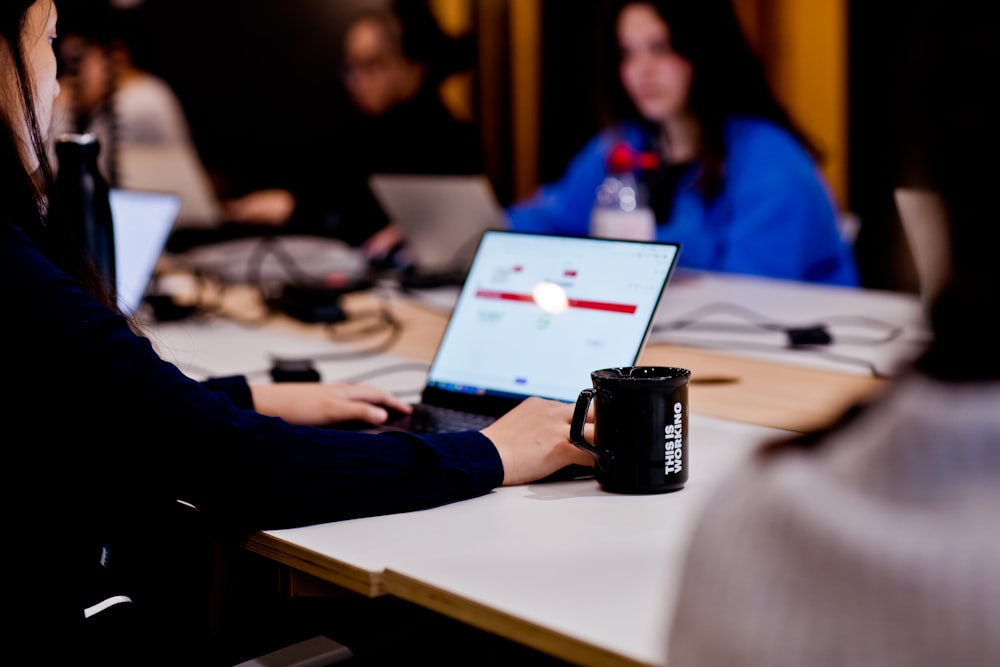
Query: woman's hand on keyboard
(533, 440)
(319, 404)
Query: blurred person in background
(736, 182)
(876, 543)
(394, 61)
(146, 142)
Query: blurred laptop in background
(142, 222)
(441, 218)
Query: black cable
(255, 261)
(816, 333)
(272, 246)
(694, 318)
(810, 338)
(384, 318)
(393, 325)
(201, 305)
(383, 321)
(893, 331)
(395, 328)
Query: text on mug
(673, 443)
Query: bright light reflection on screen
(550, 297)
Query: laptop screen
(537, 313)
(142, 222)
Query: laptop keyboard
(435, 419)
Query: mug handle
(583, 402)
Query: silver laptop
(142, 222)
(172, 169)
(441, 217)
(535, 315)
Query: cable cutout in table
(810, 337)
(798, 335)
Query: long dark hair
(728, 79)
(24, 195)
(99, 25)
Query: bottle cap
(620, 158)
(623, 157)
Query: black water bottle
(81, 204)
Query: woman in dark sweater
(103, 438)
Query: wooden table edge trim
(500, 623)
(322, 567)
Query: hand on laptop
(319, 404)
(262, 207)
(383, 243)
(533, 440)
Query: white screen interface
(537, 314)
(142, 222)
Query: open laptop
(441, 217)
(142, 222)
(535, 315)
(175, 168)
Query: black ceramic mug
(640, 428)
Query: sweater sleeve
(782, 218)
(563, 206)
(233, 386)
(126, 428)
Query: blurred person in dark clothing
(394, 61)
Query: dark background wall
(880, 35)
(575, 73)
(258, 79)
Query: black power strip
(315, 303)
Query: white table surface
(726, 308)
(586, 572)
(214, 347)
(564, 567)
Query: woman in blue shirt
(102, 437)
(737, 184)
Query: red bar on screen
(573, 303)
